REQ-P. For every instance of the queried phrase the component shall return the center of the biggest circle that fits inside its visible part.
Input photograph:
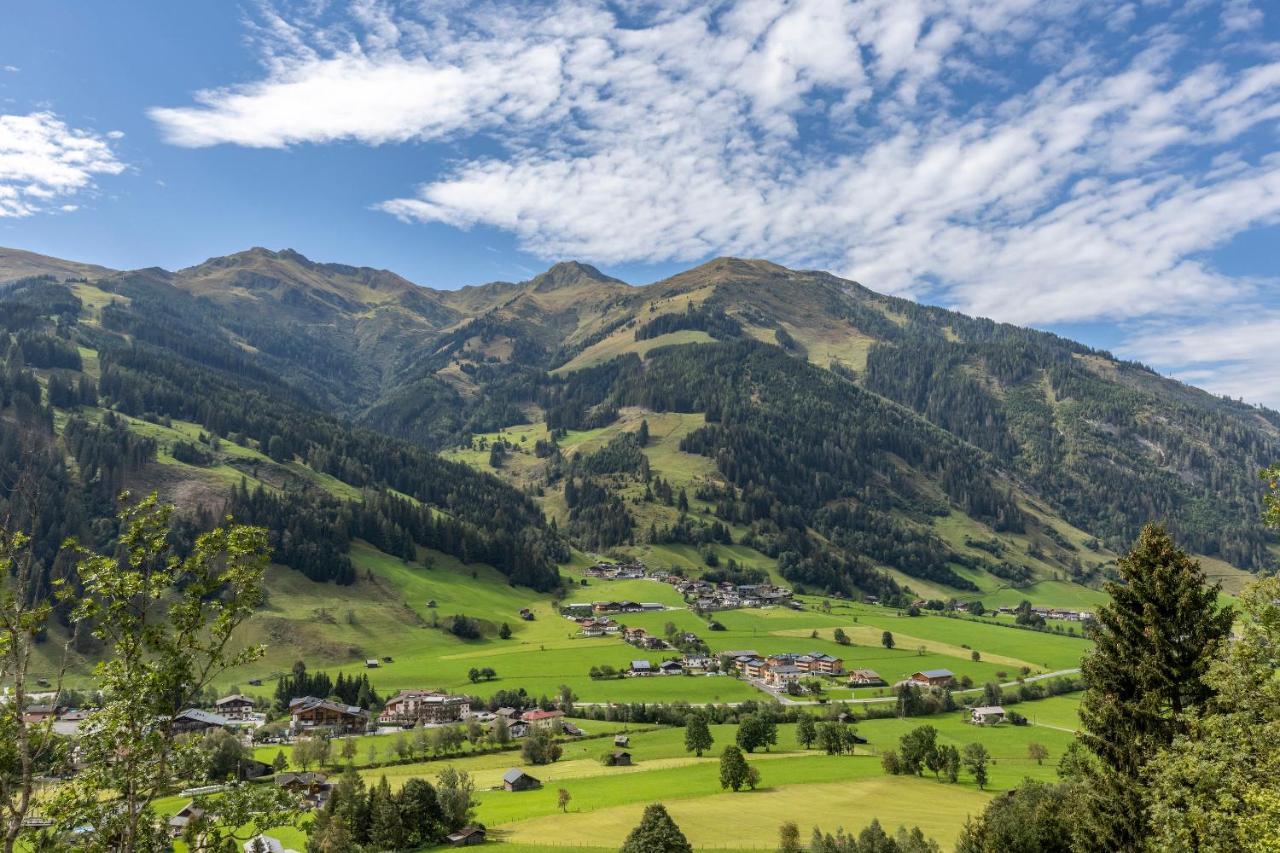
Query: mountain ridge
(1100, 443)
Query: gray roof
(937, 673)
(515, 774)
(985, 710)
(641, 664)
(199, 716)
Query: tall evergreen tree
(1154, 643)
(656, 833)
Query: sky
(1106, 170)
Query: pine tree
(656, 833)
(697, 734)
(1153, 644)
(386, 828)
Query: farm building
(641, 667)
(516, 779)
(621, 758)
(185, 815)
(466, 836)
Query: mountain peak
(569, 273)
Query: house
(308, 713)
(410, 707)
(671, 667)
(865, 678)
(518, 729)
(466, 836)
(621, 758)
(313, 787)
(641, 667)
(39, 713)
(548, 721)
(697, 662)
(372, 663)
(988, 715)
(507, 714)
(185, 815)
(197, 720)
(252, 768)
(634, 635)
(781, 676)
(235, 707)
(516, 779)
(933, 677)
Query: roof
(641, 664)
(986, 710)
(465, 832)
(540, 715)
(936, 673)
(308, 703)
(515, 774)
(786, 670)
(283, 779)
(234, 697)
(196, 715)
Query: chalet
(634, 635)
(641, 667)
(185, 815)
(508, 714)
(196, 720)
(781, 676)
(698, 663)
(309, 713)
(410, 707)
(654, 643)
(932, 677)
(865, 678)
(314, 788)
(235, 707)
(987, 715)
(630, 606)
(518, 729)
(670, 667)
(605, 606)
(516, 779)
(466, 836)
(621, 758)
(549, 721)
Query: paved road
(788, 700)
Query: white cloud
(43, 160)
(1035, 161)
(1232, 356)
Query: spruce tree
(656, 833)
(386, 827)
(1153, 644)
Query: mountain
(739, 418)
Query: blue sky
(1106, 170)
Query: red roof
(530, 716)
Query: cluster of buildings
(633, 570)
(1050, 613)
(642, 668)
(779, 670)
(705, 595)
